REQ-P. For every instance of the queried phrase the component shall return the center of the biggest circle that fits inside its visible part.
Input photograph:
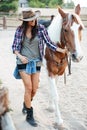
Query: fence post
(4, 22)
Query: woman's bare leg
(26, 78)
(35, 83)
(31, 83)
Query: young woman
(28, 45)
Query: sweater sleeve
(47, 39)
(16, 46)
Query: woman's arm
(17, 39)
(51, 44)
(17, 43)
(61, 50)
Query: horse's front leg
(54, 99)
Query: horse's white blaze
(77, 41)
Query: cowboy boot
(24, 110)
(29, 118)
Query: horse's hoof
(60, 127)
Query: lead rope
(69, 68)
(64, 77)
(69, 65)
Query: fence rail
(6, 22)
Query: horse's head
(71, 32)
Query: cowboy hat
(29, 15)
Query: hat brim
(37, 14)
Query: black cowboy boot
(29, 118)
(24, 110)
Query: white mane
(54, 29)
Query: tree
(44, 3)
(60, 2)
(8, 5)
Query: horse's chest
(55, 65)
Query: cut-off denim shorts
(30, 68)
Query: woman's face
(32, 23)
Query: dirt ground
(73, 95)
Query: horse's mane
(55, 28)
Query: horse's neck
(54, 30)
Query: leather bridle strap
(69, 65)
(63, 40)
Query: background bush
(8, 6)
(45, 3)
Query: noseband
(65, 23)
(64, 42)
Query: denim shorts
(29, 68)
(23, 67)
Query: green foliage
(44, 3)
(36, 3)
(60, 2)
(8, 6)
(53, 3)
(8, 0)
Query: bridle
(64, 41)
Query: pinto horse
(65, 31)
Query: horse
(66, 32)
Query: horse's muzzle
(76, 58)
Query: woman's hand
(62, 50)
(23, 59)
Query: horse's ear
(62, 13)
(78, 9)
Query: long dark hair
(34, 29)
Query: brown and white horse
(65, 30)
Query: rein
(64, 41)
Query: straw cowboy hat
(29, 15)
